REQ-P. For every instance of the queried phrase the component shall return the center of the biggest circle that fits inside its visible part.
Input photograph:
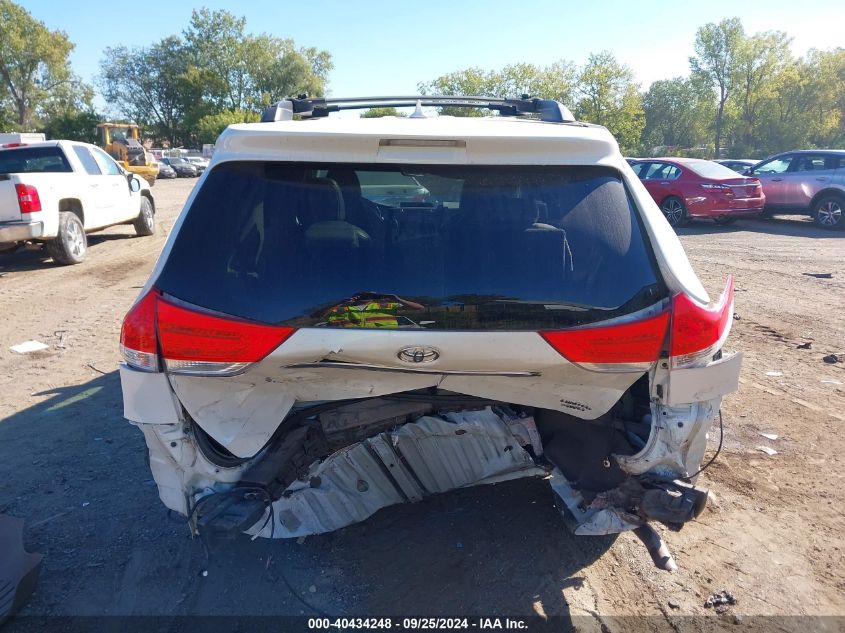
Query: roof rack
(547, 110)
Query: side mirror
(134, 184)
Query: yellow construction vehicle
(122, 141)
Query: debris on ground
(774, 374)
(819, 275)
(60, 334)
(831, 359)
(720, 601)
(27, 347)
(830, 381)
(737, 317)
(770, 436)
(768, 451)
(674, 604)
(807, 345)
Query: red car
(687, 188)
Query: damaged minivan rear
(354, 313)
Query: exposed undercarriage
(332, 464)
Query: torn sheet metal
(432, 455)
(589, 520)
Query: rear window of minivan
(412, 246)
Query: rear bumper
(736, 212)
(20, 231)
(702, 206)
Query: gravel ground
(773, 535)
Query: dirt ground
(773, 535)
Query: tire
(829, 212)
(724, 220)
(71, 244)
(145, 223)
(674, 211)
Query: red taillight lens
(699, 331)
(28, 198)
(194, 342)
(635, 342)
(187, 335)
(696, 333)
(138, 341)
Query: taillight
(138, 340)
(28, 198)
(698, 331)
(719, 188)
(626, 343)
(195, 342)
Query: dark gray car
(805, 181)
(183, 168)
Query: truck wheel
(70, 244)
(145, 223)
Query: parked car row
(810, 182)
(187, 167)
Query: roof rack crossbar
(547, 110)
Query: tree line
(745, 93)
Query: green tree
(825, 76)
(78, 125)
(151, 86)
(34, 65)
(718, 48)
(374, 113)
(245, 71)
(209, 127)
(761, 58)
(555, 81)
(677, 113)
(609, 97)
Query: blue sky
(383, 47)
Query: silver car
(805, 181)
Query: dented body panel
(241, 412)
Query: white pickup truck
(57, 191)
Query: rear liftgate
(333, 464)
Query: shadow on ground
(76, 471)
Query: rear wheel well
(72, 205)
(825, 192)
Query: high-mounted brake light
(28, 198)
(698, 331)
(11, 145)
(623, 344)
(194, 342)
